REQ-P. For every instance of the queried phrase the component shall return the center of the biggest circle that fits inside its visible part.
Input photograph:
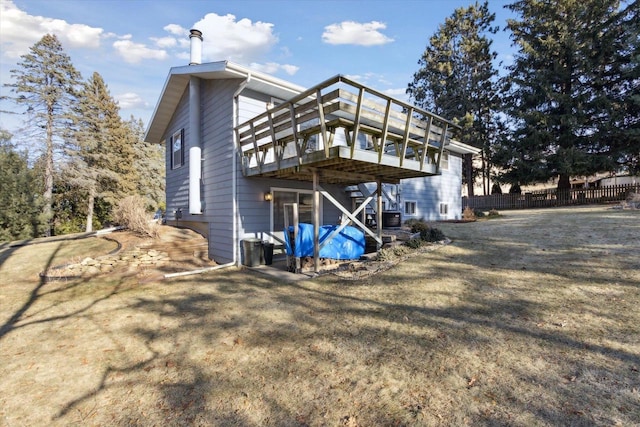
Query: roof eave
(178, 79)
(461, 148)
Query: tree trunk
(564, 185)
(485, 177)
(90, 204)
(563, 182)
(48, 175)
(469, 173)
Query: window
(444, 161)
(444, 209)
(177, 149)
(410, 208)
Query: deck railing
(551, 198)
(370, 121)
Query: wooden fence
(551, 198)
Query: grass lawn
(528, 319)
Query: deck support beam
(379, 213)
(316, 221)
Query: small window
(410, 208)
(444, 209)
(177, 149)
(444, 161)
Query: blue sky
(133, 44)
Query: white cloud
(361, 34)
(272, 68)
(19, 31)
(176, 30)
(165, 42)
(130, 100)
(133, 53)
(290, 69)
(241, 41)
(397, 92)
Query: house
(246, 152)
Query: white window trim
(415, 208)
(446, 209)
(445, 165)
(179, 134)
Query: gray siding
(177, 180)
(429, 192)
(217, 170)
(254, 214)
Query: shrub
(392, 253)
(478, 213)
(493, 213)
(468, 214)
(415, 243)
(132, 214)
(416, 225)
(432, 235)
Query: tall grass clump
(131, 213)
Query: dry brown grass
(529, 319)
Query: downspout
(234, 167)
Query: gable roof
(178, 80)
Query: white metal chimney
(195, 150)
(196, 47)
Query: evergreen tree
(620, 81)
(18, 194)
(457, 79)
(569, 90)
(45, 83)
(101, 155)
(150, 163)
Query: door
(281, 196)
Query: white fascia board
(461, 148)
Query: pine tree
(457, 79)
(150, 164)
(18, 193)
(620, 83)
(46, 83)
(101, 156)
(564, 81)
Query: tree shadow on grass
(315, 314)
(39, 292)
(235, 347)
(34, 295)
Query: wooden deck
(346, 131)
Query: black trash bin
(268, 252)
(252, 249)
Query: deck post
(379, 212)
(443, 139)
(316, 222)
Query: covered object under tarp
(349, 243)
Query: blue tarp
(348, 244)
